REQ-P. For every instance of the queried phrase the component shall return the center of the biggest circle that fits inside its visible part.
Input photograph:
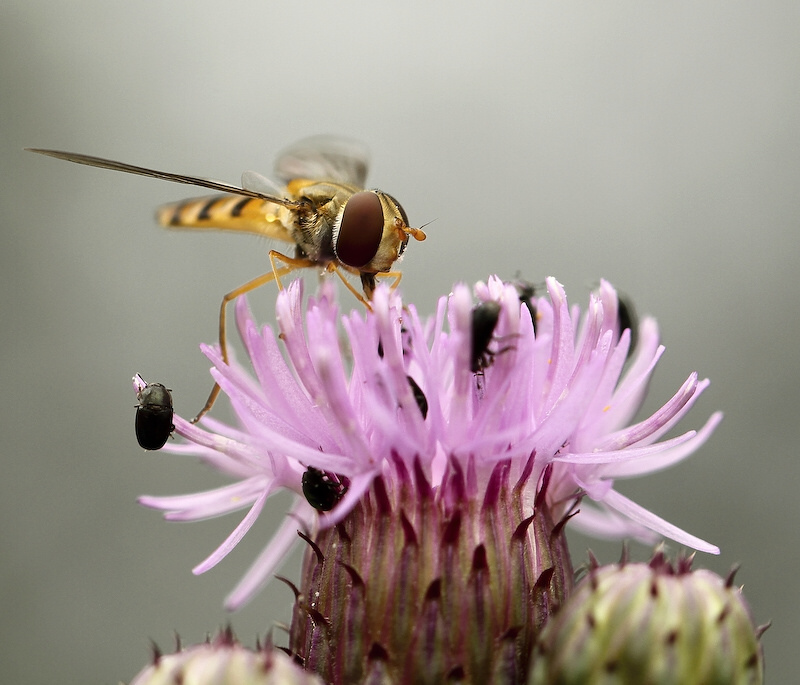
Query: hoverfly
(322, 208)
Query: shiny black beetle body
(154, 416)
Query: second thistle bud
(224, 661)
(650, 623)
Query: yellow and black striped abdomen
(228, 213)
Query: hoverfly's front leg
(396, 275)
(274, 275)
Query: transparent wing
(89, 160)
(252, 180)
(325, 157)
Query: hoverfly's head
(371, 232)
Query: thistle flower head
(435, 462)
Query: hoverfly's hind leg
(274, 275)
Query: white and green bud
(223, 661)
(650, 623)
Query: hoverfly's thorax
(321, 204)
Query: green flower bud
(650, 623)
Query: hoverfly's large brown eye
(357, 237)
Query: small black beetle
(322, 490)
(419, 396)
(626, 318)
(484, 320)
(153, 415)
(527, 296)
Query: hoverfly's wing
(89, 160)
(252, 180)
(327, 158)
(243, 209)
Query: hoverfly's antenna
(418, 233)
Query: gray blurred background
(652, 144)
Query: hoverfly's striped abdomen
(233, 212)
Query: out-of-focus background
(655, 145)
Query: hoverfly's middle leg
(349, 286)
(292, 263)
(274, 275)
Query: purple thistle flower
(559, 400)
